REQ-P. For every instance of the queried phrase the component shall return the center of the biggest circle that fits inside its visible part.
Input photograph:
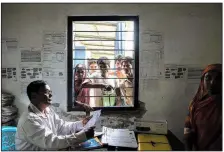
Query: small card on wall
(9, 73)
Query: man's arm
(66, 127)
(41, 136)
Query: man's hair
(119, 57)
(127, 59)
(91, 61)
(103, 60)
(34, 87)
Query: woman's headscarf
(80, 92)
(205, 109)
(201, 91)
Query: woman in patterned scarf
(203, 125)
(82, 85)
(81, 94)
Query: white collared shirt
(39, 131)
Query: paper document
(97, 133)
(93, 120)
(119, 137)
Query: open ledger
(119, 137)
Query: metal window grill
(92, 40)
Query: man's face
(93, 67)
(118, 65)
(103, 68)
(44, 95)
(126, 66)
(213, 82)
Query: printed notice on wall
(28, 74)
(53, 73)
(9, 73)
(9, 44)
(54, 59)
(194, 73)
(150, 63)
(54, 40)
(174, 72)
(30, 56)
(152, 40)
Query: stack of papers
(119, 137)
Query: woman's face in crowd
(213, 82)
(80, 72)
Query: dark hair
(119, 57)
(76, 67)
(103, 60)
(34, 87)
(127, 59)
(91, 61)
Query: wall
(192, 35)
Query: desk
(175, 143)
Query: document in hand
(93, 120)
(119, 137)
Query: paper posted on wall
(9, 73)
(54, 39)
(30, 73)
(9, 44)
(93, 120)
(28, 56)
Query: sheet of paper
(49, 73)
(194, 73)
(3, 46)
(28, 55)
(28, 74)
(10, 44)
(151, 36)
(152, 40)
(93, 120)
(54, 59)
(54, 40)
(97, 133)
(151, 63)
(174, 72)
(9, 73)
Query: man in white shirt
(40, 128)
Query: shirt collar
(37, 111)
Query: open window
(103, 61)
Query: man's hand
(89, 133)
